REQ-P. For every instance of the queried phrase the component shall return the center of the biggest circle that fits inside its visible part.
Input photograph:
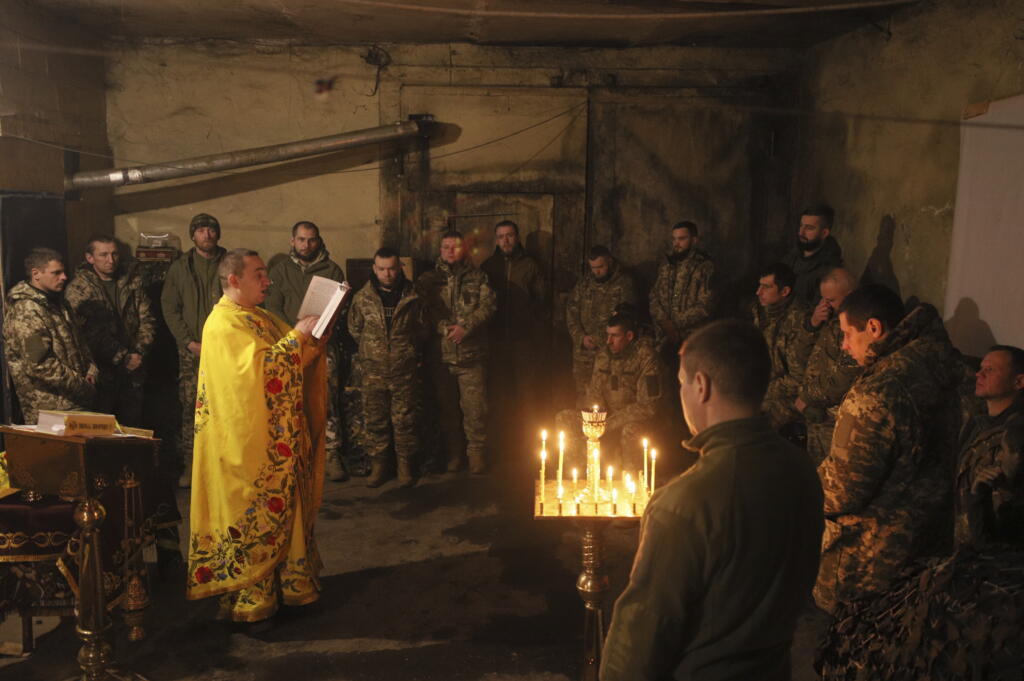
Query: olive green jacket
(592, 303)
(290, 278)
(727, 558)
(522, 296)
(112, 332)
(184, 310)
(458, 294)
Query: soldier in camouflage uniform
(290, 275)
(782, 319)
(458, 302)
(627, 384)
(191, 289)
(989, 482)
(681, 298)
(118, 325)
(591, 304)
(830, 371)
(887, 477)
(386, 320)
(46, 352)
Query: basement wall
(52, 90)
(172, 101)
(883, 148)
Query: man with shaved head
(830, 371)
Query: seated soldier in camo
(627, 384)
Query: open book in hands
(323, 299)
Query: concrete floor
(449, 580)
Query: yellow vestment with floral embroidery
(257, 475)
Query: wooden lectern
(78, 469)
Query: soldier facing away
(781, 318)
(830, 371)
(386, 320)
(191, 289)
(627, 384)
(46, 351)
(517, 329)
(887, 476)
(591, 304)
(682, 297)
(290, 276)
(458, 302)
(119, 326)
(816, 253)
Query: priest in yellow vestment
(257, 475)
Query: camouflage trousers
(391, 408)
(620, 447)
(333, 427)
(462, 403)
(582, 371)
(188, 384)
(119, 392)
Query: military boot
(477, 465)
(379, 474)
(335, 469)
(405, 475)
(455, 463)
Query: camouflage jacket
(385, 353)
(627, 385)
(522, 295)
(46, 352)
(829, 375)
(591, 303)
(992, 512)
(682, 294)
(810, 270)
(458, 294)
(291, 277)
(112, 332)
(789, 342)
(887, 477)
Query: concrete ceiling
(754, 23)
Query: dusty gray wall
(889, 163)
(53, 91)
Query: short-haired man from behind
(816, 253)
(830, 371)
(782, 319)
(728, 550)
(591, 303)
(191, 289)
(290, 276)
(682, 297)
(887, 476)
(990, 481)
(118, 325)
(48, 356)
(386, 320)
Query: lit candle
(561, 492)
(611, 479)
(596, 482)
(644, 478)
(596, 409)
(561, 454)
(544, 439)
(615, 501)
(543, 463)
(654, 463)
(575, 481)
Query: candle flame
(561, 491)
(543, 454)
(543, 435)
(611, 471)
(654, 454)
(645, 443)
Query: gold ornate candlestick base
(592, 585)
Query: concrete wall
(171, 101)
(52, 90)
(889, 163)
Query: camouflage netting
(960, 617)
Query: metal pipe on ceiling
(156, 172)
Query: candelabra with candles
(593, 505)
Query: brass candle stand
(592, 506)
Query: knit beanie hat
(203, 220)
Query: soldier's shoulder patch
(35, 348)
(653, 382)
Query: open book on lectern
(323, 299)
